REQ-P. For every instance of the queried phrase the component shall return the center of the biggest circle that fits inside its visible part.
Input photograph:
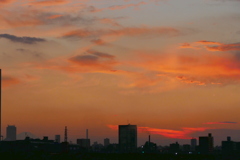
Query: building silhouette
(149, 146)
(127, 138)
(193, 144)
(57, 138)
(11, 133)
(206, 144)
(106, 142)
(84, 143)
(174, 147)
(229, 146)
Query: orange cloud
(109, 21)
(55, 16)
(49, 2)
(185, 45)
(185, 133)
(22, 19)
(195, 69)
(8, 81)
(208, 42)
(98, 41)
(208, 45)
(187, 80)
(188, 45)
(144, 30)
(116, 7)
(124, 32)
(90, 62)
(225, 47)
(94, 60)
(80, 33)
(6, 2)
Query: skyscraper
(11, 134)
(127, 138)
(206, 144)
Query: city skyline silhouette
(170, 67)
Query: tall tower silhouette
(65, 135)
(0, 104)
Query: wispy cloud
(89, 62)
(25, 40)
(224, 122)
(5, 1)
(128, 31)
(9, 80)
(212, 46)
(110, 21)
(225, 47)
(208, 42)
(94, 60)
(49, 2)
(116, 7)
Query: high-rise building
(127, 138)
(11, 134)
(193, 144)
(106, 142)
(206, 144)
(57, 138)
(229, 146)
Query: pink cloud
(184, 133)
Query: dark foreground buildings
(127, 138)
(206, 144)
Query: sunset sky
(171, 67)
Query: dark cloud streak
(224, 122)
(24, 40)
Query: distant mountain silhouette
(23, 135)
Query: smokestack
(87, 134)
(0, 104)
(149, 139)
